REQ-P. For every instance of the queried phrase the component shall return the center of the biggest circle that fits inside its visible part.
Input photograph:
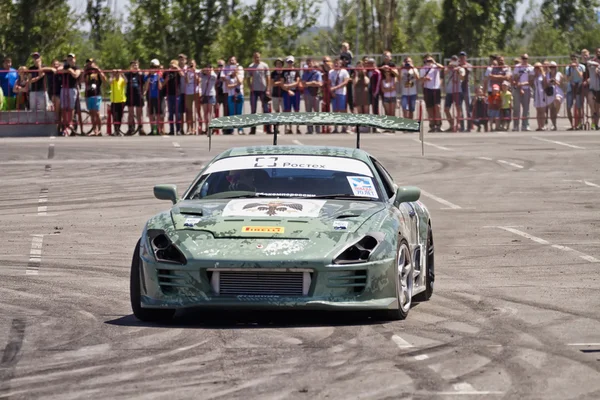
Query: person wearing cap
(38, 96)
(69, 94)
(8, 77)
(291, 90)
(494, 106)
(574, 76)
(539, 84)
(93, 78)
(521, 93)
(466, 91)
(312, 79)
(432, 92)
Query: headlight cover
(164, 250)
(359, 251)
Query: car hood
(273, 218)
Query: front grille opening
(265, 283)
(170, 281)
(360, 276)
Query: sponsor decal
(191, 221)
(340, 225)
(273, 208)
(362, 186)
(342, 164)
(263, 229)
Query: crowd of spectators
(186, 97)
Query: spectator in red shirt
(494, 106)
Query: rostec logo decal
(265, 162)
(263, 229)
(295, 165)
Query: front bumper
(368, 286)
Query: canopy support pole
(275, 129)
(358, 136)
(209, 138)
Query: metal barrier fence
(124, 102)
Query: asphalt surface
(515, 313)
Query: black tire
(143, 314)
(399, 313)
(429, 269)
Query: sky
(326, 17)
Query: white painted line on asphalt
(43, 210)
(588, 183)
(485, 158)
(463, 387)
(560, 143)
(175, 144)
(35, 255)
(421, 357)
(464, 393)
(556, 246)
(52, 137)
(299, 143)
(511, 164)
(403, 344)
(433, 145)
(591, 184)
(583, 344)
(440, 200)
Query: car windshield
(287, 176)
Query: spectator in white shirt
(235, 89)
(466, 90)
(454, 75)
(208, 95)
(338, 78)
(432, 93)
(522, 93)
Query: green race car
(292, 227)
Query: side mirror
(406, 194)
(166, 192)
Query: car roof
(327, 151)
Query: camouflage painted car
(286, 227)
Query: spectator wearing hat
(8, 77)
(432, 93)
(291, 90)
(554, 93)
(466, 91)
(522, 74)
(574, 76)
(258, 81)
(38, 97)
(454, 76)
(69, 94)
(339, 78)
(539, 83)
(54, 84)
(135, 99)
(276, 85)
(312, 80)
(93, 78)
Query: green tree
(152, 33)
(476, 26)
(100, 19)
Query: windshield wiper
(343, 196)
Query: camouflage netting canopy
(316, 118)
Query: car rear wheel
(429, 270)
(404, 284)
(143, 314)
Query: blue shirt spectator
(8, 77)
(313, 75)
(153, 89)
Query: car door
(406, 210)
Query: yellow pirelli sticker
(263, 229)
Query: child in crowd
(494, 106)
(507, 103)
(480, 112)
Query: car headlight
(361, 250)
(164, 250)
